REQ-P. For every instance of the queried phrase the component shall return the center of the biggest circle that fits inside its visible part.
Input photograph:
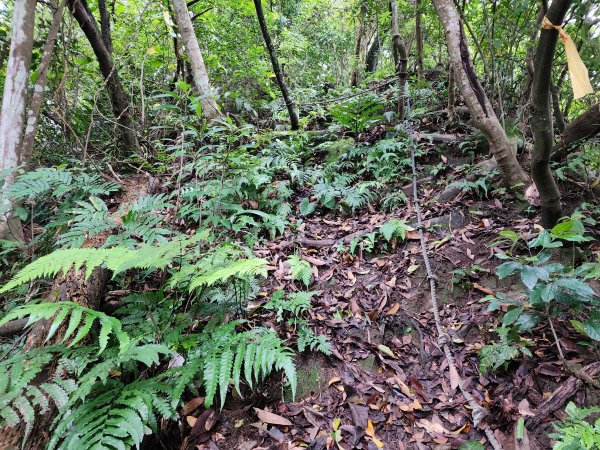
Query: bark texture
(476, 100)
(37, 97)
(275, 63)
(12, 115)
(543, 129)
(585, 126)
(118, 96)
(402, 64)
(192, 49)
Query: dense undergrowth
(182, 267)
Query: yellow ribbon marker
(580, 79)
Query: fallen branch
(565, 391)
(13, 327)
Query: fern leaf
(236, 373)
(74, 321)
(226, 366)
(105, 330)
(301, 269)
(84, 329)
(250, 354)
(211, 379)
(58, 394)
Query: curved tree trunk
(585, 126)
(477, 101)
(192, 49)
(40, 84)
(12, 115)
(118, 96)
(276, 67)
(402, 65)
(543, 129)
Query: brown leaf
(191, 421)
(431, 427)
(393, 309)
(454, 377)
(192, 405)
(271, 418)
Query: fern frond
(60, 311)
(301, 269)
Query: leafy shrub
(551, 288)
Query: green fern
(394, 228)
(117, 416)
(225, 354)
(117, 259)
(19, 399)
(296, 303)
(78, 315)
(301, 269)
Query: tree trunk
(479, 105)
(40, 84)
(275, 63)
(118, 96)
(401, 67)
(585, 126)
(105, 26)
(354, 77)
(192, 49)
(451, 93)
(372, 54)
(12, 115)
(419, 38)
(543, 130)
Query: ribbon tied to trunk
(578, 73)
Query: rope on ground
(443, 339)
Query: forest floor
(386, 383)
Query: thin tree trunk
(478, 103)
(105, 26)
(372, 54)
(118, 96)
(354, 77)
(40, 84)
(585, 126)
(184, 24)
(419, 38)
(401, 67)
(543, 130)
(451, 93)
(12, 115)
(276, 67)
